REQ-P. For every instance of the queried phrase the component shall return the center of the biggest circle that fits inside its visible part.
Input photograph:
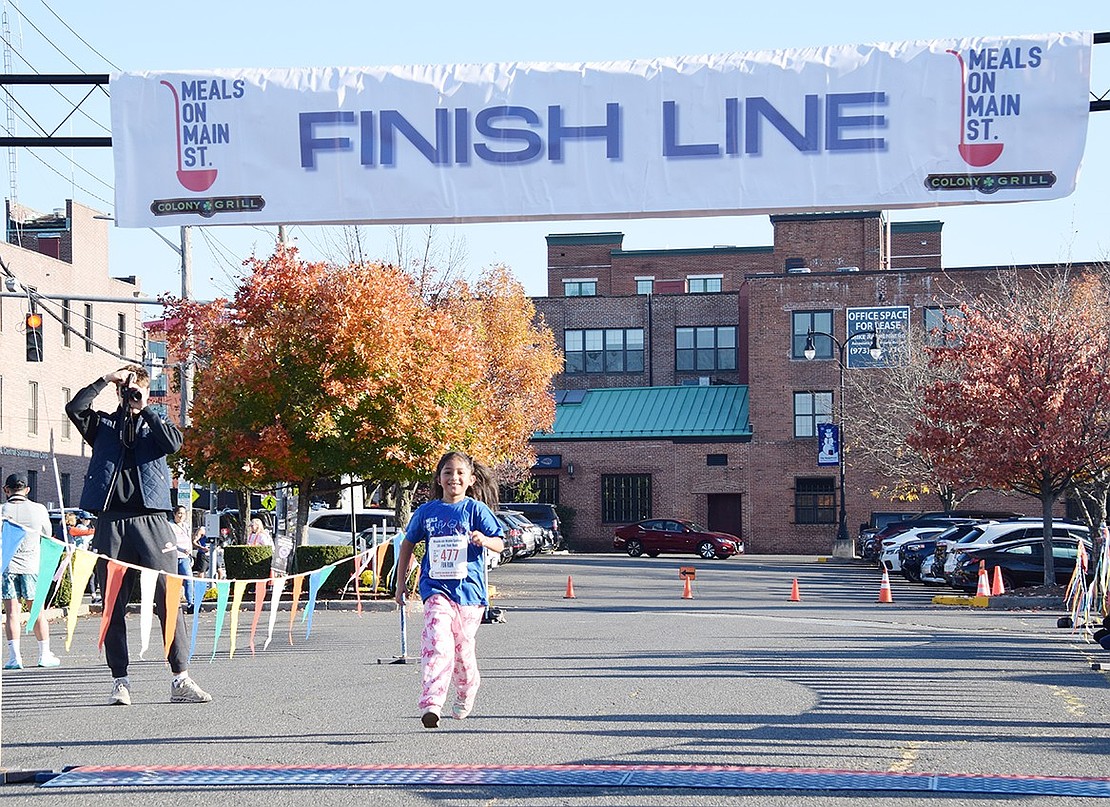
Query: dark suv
(545, 516)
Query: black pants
(147, 541)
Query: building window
(32, 407)
(156, 349)
(625, 498)
(705, 348)
(716, 459)
(88, 328)
(121, 327)
(645, 285)
(937, 327)
(815, 500)
(67, 396)
(580, 288)
(811, 408)
(63, 482)
(159, 381)
(33, 484)
(696, 283)
(609, 350)
(547, 488)
(802, 322)
(67, 318)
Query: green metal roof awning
(717, 413)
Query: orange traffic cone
(570, 590)
(794, 595)
(997, 587)
(687, 591)
(984, 589)
(884, 589)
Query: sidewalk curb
(962, 599)
(1001, 603)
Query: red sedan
(654, 536)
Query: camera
(131, 395)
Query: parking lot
(628, 673)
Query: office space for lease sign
(900, 125)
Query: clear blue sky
(77, 36)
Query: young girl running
(456, 529)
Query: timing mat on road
(700, 777)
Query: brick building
(63, 256)
(642, 320)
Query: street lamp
(842, 548)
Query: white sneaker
(121, 693)
(460, 710)
(49, 660)
(187, 691)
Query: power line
(79, 37)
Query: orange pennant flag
(111, 592)
(298, 582)
(259, 604)
(174, 584)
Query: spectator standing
(180, 529)
(128, 487)
(259, 535)
(21, 579)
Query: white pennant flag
(147, 579)
(278, 586)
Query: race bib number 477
(447, 556)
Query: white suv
(333, 527)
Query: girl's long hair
(484, 487)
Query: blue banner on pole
(828, 444)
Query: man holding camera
(128, 487)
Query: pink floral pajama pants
(447, 652)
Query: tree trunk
(406, 492)
(243, 501)
(304, 497)
(1047, 500)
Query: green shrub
(248, 562)
(61, 593)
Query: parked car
(513, 538)
(655, 536)
(544, 515)
(866, 547)
(1005, 532)
(1021, 562)
(333, 527)
(531, 534)
(918, 558)
(890, 558)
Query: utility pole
(186, 291)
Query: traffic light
(33, 322)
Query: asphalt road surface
(628, 675)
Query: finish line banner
(913, 124)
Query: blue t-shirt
(436, 519)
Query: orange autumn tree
(314, 370)
(1023, 400)
(519, 357)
